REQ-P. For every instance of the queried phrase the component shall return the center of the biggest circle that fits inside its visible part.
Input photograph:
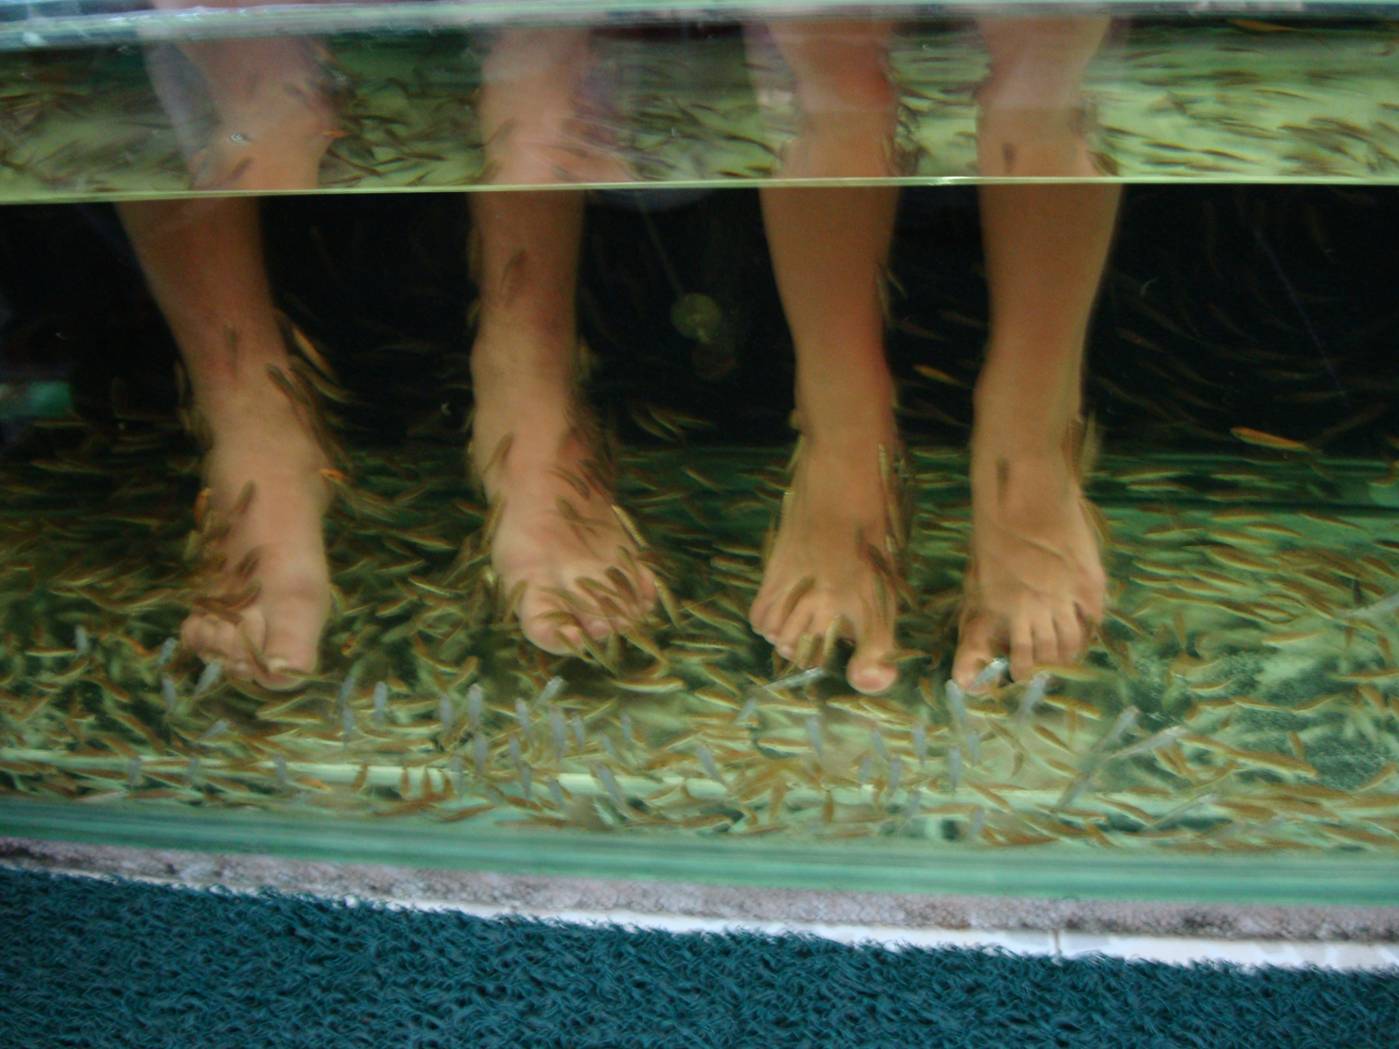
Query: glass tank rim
(52, 24)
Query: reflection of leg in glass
(1031, 121)
(559, 550)
(1035, 580)
(832, 569)
(846, 103)
(535, 133)
(203, 260)
(272, 119)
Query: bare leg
(557, 545)
(203, 260)
(1035, 582)
(530, 122)
(274, 120)
(828, 249)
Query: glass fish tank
(921, 448)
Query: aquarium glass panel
(718, 490)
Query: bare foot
(834, 568)
(561, 552)
(264, 595)
(1034, 582)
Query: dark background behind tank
(1266, 307)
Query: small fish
(604, 775)
(706, 760)
(1120, 727)
(381, 702)
(1030, 698)
(750, 708)
(512, 744)
(558, 731)
(866, 771)
(896, 771)
(813, 733)
(1268, 440)
(800, 679)
(609, 748)
(1153, 742)
(954, 769)
(279, 769)
(957, 707)
(972, 741)
(214, 731)
(522, 714)
(209, 677)
(920, 742)
(475, 698)
(551, 688)
(347, 724)
(193, 772)
(456, 773)
(478, 754)
(556, 794)
(446, 713)
(990, 674)
(133, 773)
(624, 723)
(168, 694)
(81, 642)
(347, 687)
(167, 652)
(579, 733)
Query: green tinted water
(1180, 101)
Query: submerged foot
(833, 573)
(1034, 584)
(561, 550)
(263, 595)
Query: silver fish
(813, 733)
(1030, 698)
(167, 652)
(478, 754)
(800, 679)
(81, 642)
(209, 677)
(475, 698)
(168, 694)
(558, 730)
(551, 688)
(381, 702)
(991, 674)
(954, 769)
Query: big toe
(975, 648)
(871, 668)
(549, 626)
(293, 637)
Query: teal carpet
(98, 963)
